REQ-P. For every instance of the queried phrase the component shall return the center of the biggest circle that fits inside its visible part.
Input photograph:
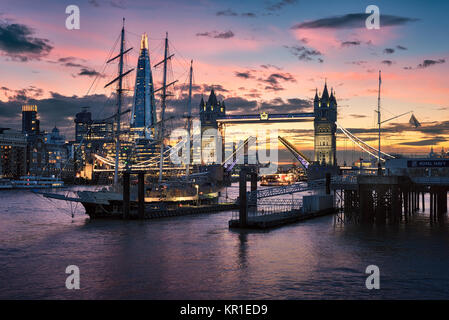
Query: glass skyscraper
(144, 107)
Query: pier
(256, 213)
(389, 199)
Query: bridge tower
(325, 109)
(209, 112)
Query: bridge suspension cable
(363, 145)
(363, 142)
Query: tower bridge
(265, 117)
(324, 116)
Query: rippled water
(198, 257)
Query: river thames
(198, 257)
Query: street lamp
(197, 195)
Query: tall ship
(147, 151)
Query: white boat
(5, 184)
(33, 182)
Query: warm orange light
(29, 107)
(144, 42)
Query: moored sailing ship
(192, 188)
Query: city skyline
(258, 58)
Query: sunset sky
(259, 56)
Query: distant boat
(33, 182)
(279, 179)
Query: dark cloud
(200, 89)
(72, 62)
(238, 105)
(227, 12)
(350, 43)
(427, 63)
(401, 47)
(17, 41)
(358, 63)
(244, 74)
(430, 129)
(268, 66)
(232, 13)
(279, 105)
(350, 21)
(303, 53)
(217, 88)
(216, 34)
(426, 142)
(57, 109)
(94, 3)
(387, 62)
(89, 73)
(357, 116)
(22, 95)
(280, 4)
(274, 79)
(388, 50)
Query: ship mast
(189, 117)
(163, 104)
(119, 98)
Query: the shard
(143, 118)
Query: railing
(293, 188)
(272, 206)
(348, 179)
(431, 180)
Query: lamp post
(197, 195)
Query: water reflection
(198, 257)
